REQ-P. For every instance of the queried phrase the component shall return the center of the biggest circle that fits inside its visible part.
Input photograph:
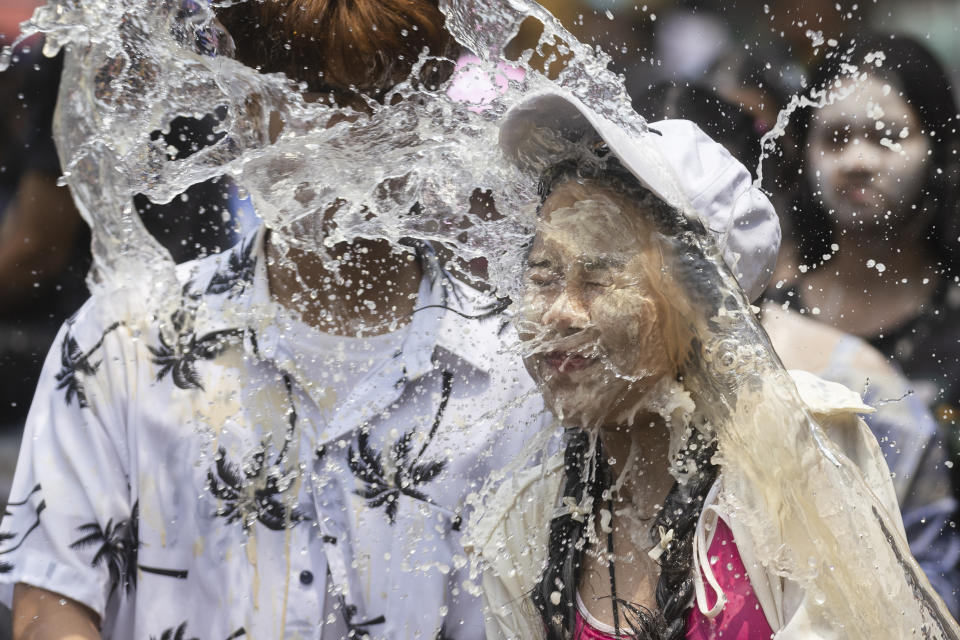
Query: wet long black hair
(911, 68)
(586, 470)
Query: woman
(874, 221)
(691, 470)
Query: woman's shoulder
(522, 503)
(800, 341)
(506, 540)
(825, 398)
(838, 411)
(807, 344)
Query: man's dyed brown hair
(370, 44)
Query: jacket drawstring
(701, 561)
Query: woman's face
(591, 321)
(867, 158)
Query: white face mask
(867, 158)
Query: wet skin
(592, 321)
(862, 179)
(871, 192)
(591, 318)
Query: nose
(864, 159)
(566, 313)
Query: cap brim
(715, 189)
(566, 114)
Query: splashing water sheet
(132, 67)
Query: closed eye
(540, 273)
(542, 278)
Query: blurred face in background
(591, 317)
(867, 158)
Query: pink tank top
(741, 618)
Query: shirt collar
(231, 293)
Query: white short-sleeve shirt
(187, 474)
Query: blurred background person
(904, 427)
(42, 255)
(875, 217)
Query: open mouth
(566, 362)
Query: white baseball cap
(679, 163)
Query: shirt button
(306, 578)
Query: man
(288, 454)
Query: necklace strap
(614, 602)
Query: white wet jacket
(500, 538)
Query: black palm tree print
(247, 498)
(357, 629)
(180, 359)
(6, 536)
(382, 489)
(245, 494)
(116, 546)
(6, 567)
(239, 269)
(73, 362)
(180, 633)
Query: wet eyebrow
(543, 262)
(601, 263)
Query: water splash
(851, 76)
(134, 66)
